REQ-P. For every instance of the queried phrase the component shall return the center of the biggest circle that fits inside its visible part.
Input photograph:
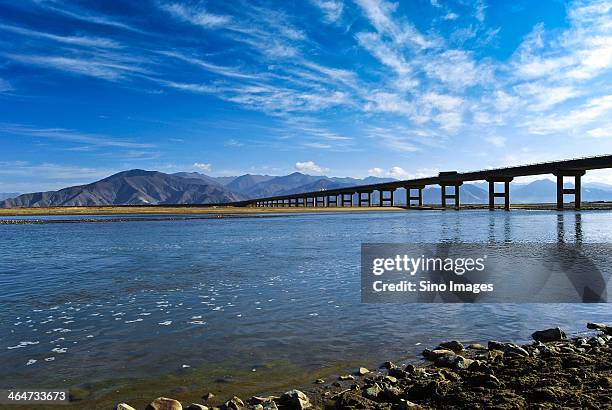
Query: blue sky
(340, 87)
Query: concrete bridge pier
(410, 197)
(384, 200)
(344, 200)
(367, 200)
(505, 194)
(454, 196)
(309, 201)
(332, 199)
(319, 201)
(576, 191)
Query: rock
(548, 335)
(476, 346)
(235, 403)
(599, 326)
(434, 354)
(123, 406)
(453, 345)
(362, 371)
(346, 377)
(453, 362)
(208, 396)
(388, 365)
(390, 379)
(196, 406)
(164, 403)
(319, 381)
(372, 392)
(508, 348)
(261, 400)
(397, 373)
(353, 400)
(269, 405)
(406, 404)
(296, 399)
(484, 380)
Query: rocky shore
(553, 371)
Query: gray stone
(196, 406)
(346, 377)
(362, 371)
(436, 353)
(296, 399)
(508, 348)
(453, 345)
(235, 403)
(549, 335)
(124, 406)
(164, 403)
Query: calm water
(91, 301)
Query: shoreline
(550, 372)
(235, 211)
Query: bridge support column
(310, 201)
(319, 201)
(384, 200)
(505, 194)
(332, 200)
(454, 196)
(367, 200)
(344, 200)
(576, 191)
(410, 197)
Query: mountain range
(140, 187)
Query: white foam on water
(50, 359)
(23, 344)
(134, 321)
(197, 322)
(165, 323)
(197, 317)
(144, 314)
(31, 362)
(59, 349)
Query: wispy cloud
(196, 15)
(73, 40)
(68, 135)
(331, 9)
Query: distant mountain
(197, 175)
(245, 182)
(7, 195)
(135, 187)
(138, 187)
(279, 184)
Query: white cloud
(481, 7)
(310, 167)
(601, 132)
(592, 110)
(202, 166)
(399, 173)
(376, 171)
(332, 9)
(85, 41)
(496, 140)
(196, 15)
(69, 136)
